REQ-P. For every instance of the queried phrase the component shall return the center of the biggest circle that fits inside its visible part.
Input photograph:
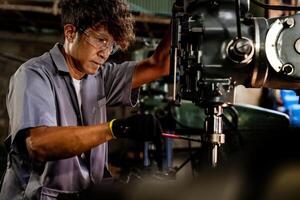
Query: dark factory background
(30, 28)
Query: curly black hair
(113, 14)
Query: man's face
(90, 49)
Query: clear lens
(115, 48)
(100, 42)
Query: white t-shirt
(77, 85)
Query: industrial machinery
(219, 44)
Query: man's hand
(140, 127)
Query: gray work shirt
(41, 94)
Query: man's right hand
(139, 127)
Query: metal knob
(240, 50)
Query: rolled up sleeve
(30, 101)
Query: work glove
(139, 127)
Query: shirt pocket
(100, 111)
(53, 194)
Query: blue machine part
(294, 113)
(291, 106)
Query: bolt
(288, 69)
(289, 22)
(243, 46)
(297, 45)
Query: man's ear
(69, 32)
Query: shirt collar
(60, 61)
(58, 58)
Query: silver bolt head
(288, 69)
(290, 22)
(297, 45)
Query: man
(57, 103)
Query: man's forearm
(156, 66)
(53, 143)
(162, 52)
